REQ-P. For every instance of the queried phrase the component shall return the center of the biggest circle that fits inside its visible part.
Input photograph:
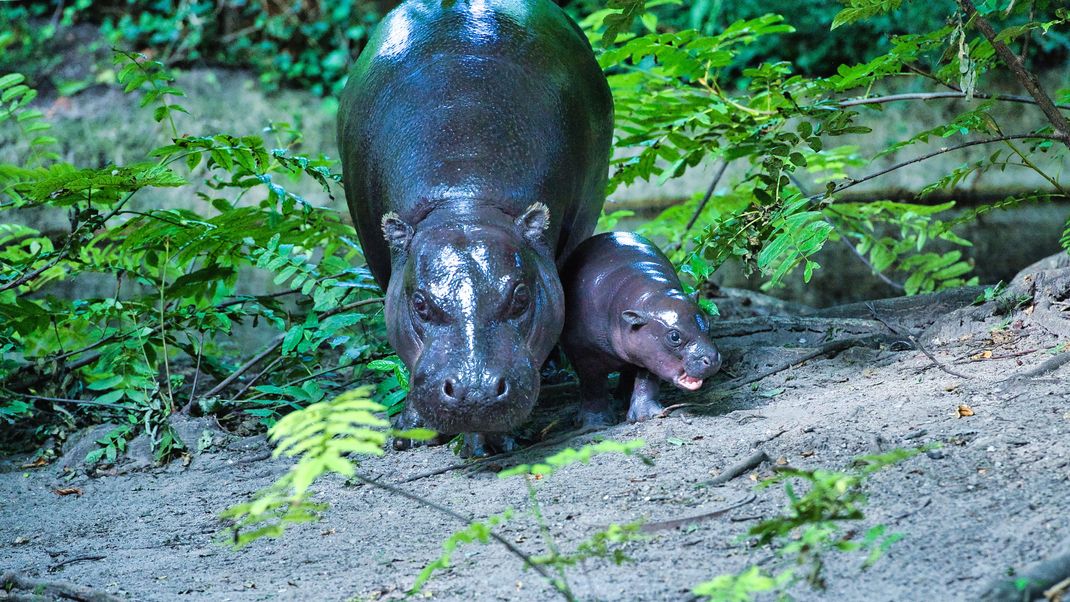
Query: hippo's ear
(534, 221)
(633, 318)
(396, 231)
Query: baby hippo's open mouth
(688, 382)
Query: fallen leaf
(782, 461)
(67, 491)
(38, 463)
(675, 440)
(771, 392)
(950, 388)
(965, 410)
(984, 355)
(21, 540)
(808, 453)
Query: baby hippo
(626, 311)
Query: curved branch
(947, 149)
(1027, 78)
(702, 204)
(876, 100)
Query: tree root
(1047, 579)
(40, 590)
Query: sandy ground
(995, 496)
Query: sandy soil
(995, 496)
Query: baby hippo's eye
(520, 301)
(673, 336)
(421, 306)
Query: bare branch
(1027, 78)
(702, 204)
(947, 149)
(876, 100)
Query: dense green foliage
(307, 44)
(176, 276)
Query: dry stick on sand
(827, 348)
(48, 590)
(749, 463)
(497, 457)
(683, 522)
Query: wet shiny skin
(457, 118)
(626, 311)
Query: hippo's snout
(492, 388)
(704, 365)
(476, 400)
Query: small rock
(936, 454)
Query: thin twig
(702, 204)
(253, 380)
(683, 522)
(735, 383)
(196, 375)
(914, 341)
(272, 348)
(52, 590)
(527, 560)
(1027, 78)
(947, 149)
(84, 402)
(59, 565)
(1049, 365)
(749, 463)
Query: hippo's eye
(421, 306)
(520, 301)
(673, 336)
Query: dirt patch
(995, 496)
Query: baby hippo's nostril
(705, 361)
(503, 388)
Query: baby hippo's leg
(644, 404)
(595, 410)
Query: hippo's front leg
(644, 405)
(410, 419)
(481, 445)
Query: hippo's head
(473, 308)
(669, 336)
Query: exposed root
(1047, 578)
(40, 590)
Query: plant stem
(163, 324)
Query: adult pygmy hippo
(626, 311)
(474, 137)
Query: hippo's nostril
(450, 389)
(705, 360)
(503, 387)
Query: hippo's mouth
(689, 383)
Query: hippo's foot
(644, 409)
(481, 445)
(407, 420)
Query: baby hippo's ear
(634, 318)
(533, 222)
(397, 232)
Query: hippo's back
(603, 264)
(475, 103)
